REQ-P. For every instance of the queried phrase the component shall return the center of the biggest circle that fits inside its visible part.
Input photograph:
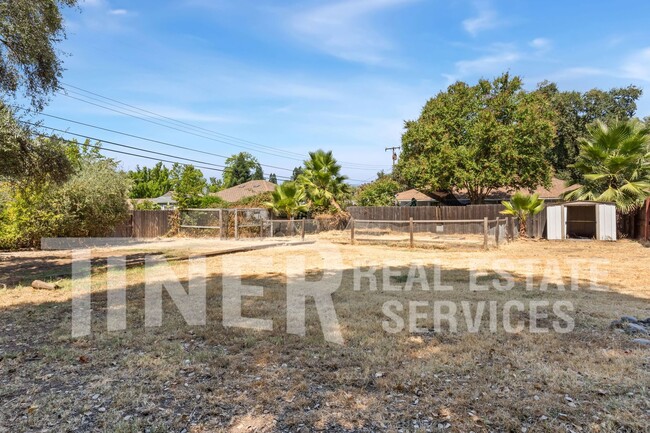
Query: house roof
(166, 198)
(558, 186)
(413, 194)
(248, 189)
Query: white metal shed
(581, 220)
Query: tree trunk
(336, 205)
(523, 232)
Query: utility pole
(394, 153)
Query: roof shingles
(248, 189)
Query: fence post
(271, 228)
(485, 232)
(411, 232)
(236, 226)
(352, 231)
(302, 230)
(510, 235)
(220, 223)
(496, 233)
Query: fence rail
(470, 231)
(157, 223)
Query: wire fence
(242, 223)
(202, 222)
(483, 233)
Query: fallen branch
(42, 285)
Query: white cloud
(577, 72)
(493, 63)
(118, 12)
(486, 19)
(637, 66)
(343, 29)
(541, 44)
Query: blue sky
(341, 75)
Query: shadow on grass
(212, 378)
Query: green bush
(381, 192)
(91, 203)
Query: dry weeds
(211, 378)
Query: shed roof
(581, 203)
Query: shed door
(607, 222)
(554, 222)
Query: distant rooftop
(248, 189)
(413, 194)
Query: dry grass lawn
(210, 378)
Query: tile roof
(248, 189)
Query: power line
(132, 154)
(172, 119)
(144, 138)
(174, 128)
(216, 167)
(351, 165)
(221, 169)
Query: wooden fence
(151, 224)
(636, 225)
(464, 215)
(144, 224)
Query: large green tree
(240, 168)
(297, 171)
(30, 66)
(29, 60)
(479, 138)
(189, 185)
(614, 163)
(150, 182)
(381, 192)
(576, 111)
(24, 158)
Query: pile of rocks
(633, 326)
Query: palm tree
(288, 199)
(615, 164)
(322, 180)
(523, 206)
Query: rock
(642, 341)
(634, 328)
(630, 319)
(615, 324)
